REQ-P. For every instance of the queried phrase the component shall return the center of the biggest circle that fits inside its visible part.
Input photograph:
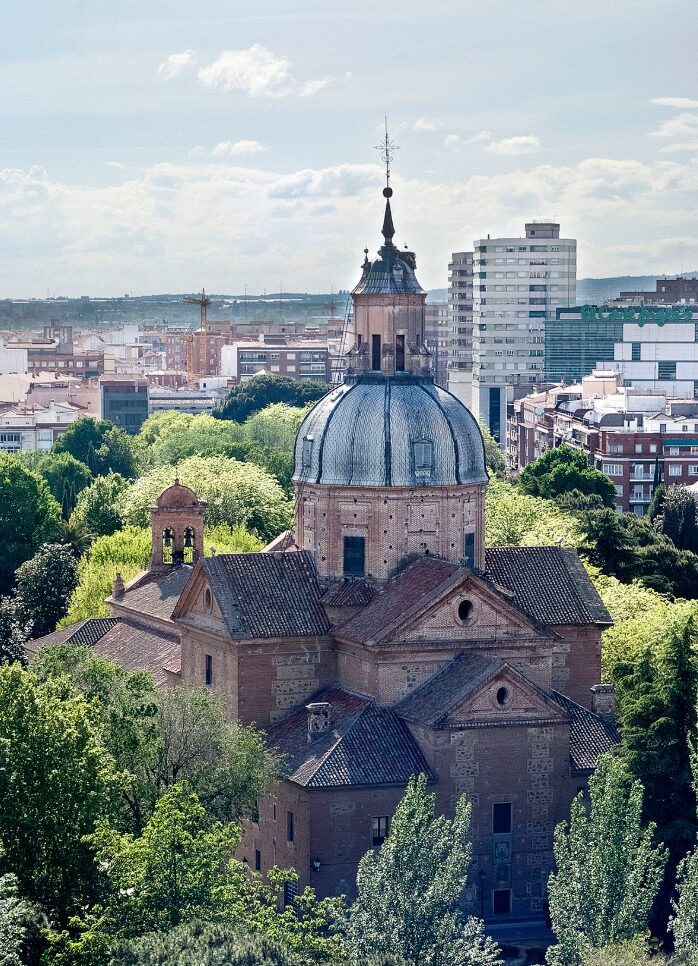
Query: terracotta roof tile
(436, 697)
(403, 593)
(86, 632)
(590, 735)
(265, 595)
(549, 584)
(349, 593)
(366, 745)
(156, 593)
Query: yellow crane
(203, 302)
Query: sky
(170, 145)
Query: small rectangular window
(354, 556)
(209, 669)
(257, 860)
(469, 554)
(289, 827)
(636, 347)
(501, 902)
(501, 818)
(307, 452)
(290, 892)
(380, 826)
(376, 352)
(423, 455)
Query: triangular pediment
(507, 697)
(198, 605)
(469, 609)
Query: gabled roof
(262, 595)
(549, 584)
(349, 593)
(441, 694)
(135, 646)
(155, 593)
(405, 594)
(366, 745)
(590, 735)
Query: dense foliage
(249, 397)
(44, 587)
(100, 445)
(29, 517)
(563, 470)
(97, 507)
(408, 892)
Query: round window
(465, 610)
(503, 696)
(208, 600)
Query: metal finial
(387, 151)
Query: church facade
(381, 637)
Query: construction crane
(203, 302)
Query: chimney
(319, 718)
(118, 587)
(603, 700)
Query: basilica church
(380, 637)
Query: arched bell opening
(167, 545)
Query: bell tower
(177, 527)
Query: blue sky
(165, 146)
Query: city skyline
(166, 150)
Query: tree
(204, 944)
(658, 695)
(249, 397)
(494, 454)
(408, 892)
(514, 519)
(65, 476)
(100, 445)
(29, 517)
(13, 636)
(608, 870)
(14, 914)
(161, 737)
(564, 469)
(56, 782)
(673, 511)
(97, 510)
(45, 585)
(236, 493)
(607, 545)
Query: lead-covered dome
(397, 430)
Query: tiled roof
(156, 593)
(86, 632)
(548, 583)
(349, 593)
(590, 734)
(403, 594)
(135, 646)
(366, 745)
(267, 594)
(461, 677)
(284, 542)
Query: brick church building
(381, 638)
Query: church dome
(176, 496)
(397, 430)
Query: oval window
(208, 600)
(465, 610)
(503, 697)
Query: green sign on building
(639, 314)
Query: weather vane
(387, 150)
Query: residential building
(185, 399)
(636, 436)
(55, 351)
(519, 283)
(379, 638)
(273, 354)
(460, 307)
(651, 346)
(124, 400)
(29, 428)
(437, 338)
(668, 291)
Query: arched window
(189, 545)
(167, 545)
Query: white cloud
(680, 102)
(427, 124)
(176, 63)
(258, 72)
(682, 130)
(226, 149)
(146, 232)
(116, 164)
(521, 144)
(452, 140)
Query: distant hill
(597, 289)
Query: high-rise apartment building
(518, 283)
(460, 309)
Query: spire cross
(387, 151)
